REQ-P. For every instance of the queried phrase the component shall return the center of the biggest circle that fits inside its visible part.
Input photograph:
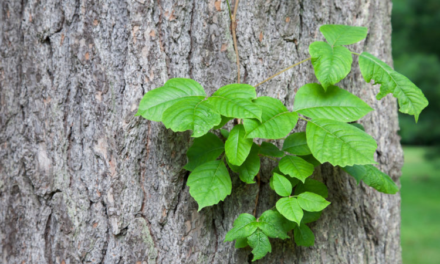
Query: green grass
(420, 207)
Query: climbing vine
(331, 136)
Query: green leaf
(204, 149)
(155, 102)
(310, 217)
(343, 35)
(224, 132)
(312, 202)
(276, 120)
(411, 98)
(310, 159)
(260, 244)
(269, 149)
(282, 186)
(296, 144)
(290, 209)
(241, 243)
(337, 104)
(313, 186)
(373, 177)
(331, 64)
(339, 143)
(293, 181)
(250, 167)
(235, 107)
(296, 167)
(209, 183)
(237, 146)
(304, 236)
(237, 90)
(223, 122)
(243, 226)
(274, 225)
(191, 114)
(361, 127)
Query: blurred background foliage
(416, 52)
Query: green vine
(182, 104)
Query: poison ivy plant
(333, 135)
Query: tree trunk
(84, 181)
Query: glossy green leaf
(310, 159)
(277, 121)
(155, 102)
(274, 225)
(191, 114)
(235, 107)
(337, 104)
(209, 183)
(342, 34)
(310, 217)
(290, 209)
(269, 149)
(293, 181)
(361, 127)
(296, 167)
(313, 186)
(296, 144)
(339, 143)
(237, 90)
(241, 243)
(244, 226)
(304, 236)
(373, 177)
(260, 245)
(250, 167)
(282, 186)
(237, 146)
(331, 64)
(225, 120)
(206, 148)
(312, 202)
(411, 99)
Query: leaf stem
(229, 9)
(305, 119)
(355, 53)
(278, 73)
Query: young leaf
(237, 90)
(296, 167)
(282, 186)
(313, 186)
(260, 245)
(223, 122)
(241, 243)
(204, 149)
(296, 144)
(209, 183)
(343, 35)
(312, 202)
(411, 98)
(331, 64)
(304, 236)
(293, 181)
(310, 217)
(276, 120)
(243, 226)
(274, 225)
(373, 177)
(339, 143)
(237, 146)
(290, 209)
(269, 149)
(335, 104)
(156, 101)
(235, 107)
(191, 114)
(250, 167)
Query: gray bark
(84, 181)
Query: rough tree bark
(84, 181)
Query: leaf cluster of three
(182, 104)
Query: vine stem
(234, 37)
(258, 193)
(278, 73)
